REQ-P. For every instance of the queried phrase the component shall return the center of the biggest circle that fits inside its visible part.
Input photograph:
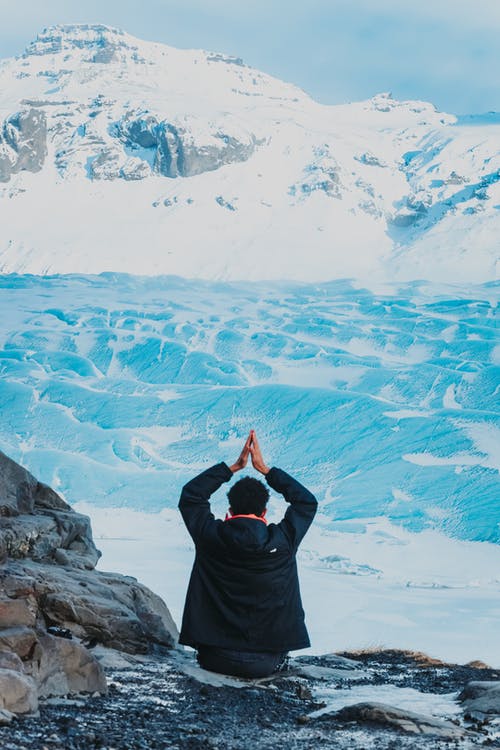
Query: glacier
(115, 389)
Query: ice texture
(116, 389)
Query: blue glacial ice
(116, 389)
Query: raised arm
(194, 501)
(303, 504)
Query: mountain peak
(100, 40)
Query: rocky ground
(89, 660)
(168, 702)
(49, 588)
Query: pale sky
(443, 51)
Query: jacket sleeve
(303, 505)
(194, 505)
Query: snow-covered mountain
(119, 154)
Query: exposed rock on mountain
(48, 581)
(172, 151)
(23, 143)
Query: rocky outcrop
(53, 603)
(481, 698)
(100, 43)
(23, 143)
(36, 523)
(106, 608)
(409, 722)
(173, 152)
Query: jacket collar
(245, 515)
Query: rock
(481, 697)
(18, 692)
(20, 640)
(45, 497)
(407, 721)
(20, 491)
(370, 159)
(214, 679)
(14, 612)
(331, 660)
(315, 672)
(35, 522)
(456, 179)
(48, 581)
(110, 658)
(303, 719)
(106, 165)
(61, 557)
(23, 143)
(115, 610)
(17, 488)
(56, 665)
(10, 660)
(174, 151)
(135, 169)
(304, 693)
(6, 716)
(49, 574)
(60, 667)
(41, 536)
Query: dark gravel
(154, 706)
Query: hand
(242, 459)
(257, 460)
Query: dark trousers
(240, 663)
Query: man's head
(247, 496)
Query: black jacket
(244, 589)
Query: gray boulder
(18, 693)
(16, 612)
(10, 660)
(397, 718)
(36, 523)
(19, 640)
(480, 698)
(49, 667)
(20, 491)
(106, 165)
(107, 608)
(60, 666)
(6, 716)
(47, 577)
(23, 143)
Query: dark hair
(248, 495)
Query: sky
(443, 51)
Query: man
(243, 610)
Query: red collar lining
(245, 515)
